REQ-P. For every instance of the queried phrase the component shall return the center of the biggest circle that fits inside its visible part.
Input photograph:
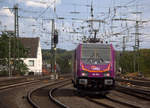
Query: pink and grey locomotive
(94, 67)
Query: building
(34, 56)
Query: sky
(35, 20)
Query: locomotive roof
(99, 45)
(95, 44)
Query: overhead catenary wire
(108, 16)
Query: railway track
(139, 93)
(11, 83)
(52, 86)
(14, 94)
(107, 103)
(145, 83)
(133, 78)
(52, 97)
(40, 97)
(99, 103)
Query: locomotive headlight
(106, 74)
(84, 73)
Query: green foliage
(21, 68)
(145, 62)
(4, 46)
(17, 51)
(63, 59)
(46, 56)
(126, 61)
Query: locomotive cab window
(95, 54)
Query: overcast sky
(35, 15)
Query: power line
(29, 11)
(43, 12)
(130, 2)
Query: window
(28, 51)
(31, 62)
(95, 53)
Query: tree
(126, 62)
(63, 59)
(17, 51)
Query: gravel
(16, 97)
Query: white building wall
(31, 68)
(39, 60)
(37, 68)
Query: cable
(29, 11)
(24, 17)
(46, 9)
(132, 1)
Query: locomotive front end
(96, 70)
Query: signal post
(54, 42)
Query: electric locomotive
(94, 67)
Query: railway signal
(55, 37)
(54, 42)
